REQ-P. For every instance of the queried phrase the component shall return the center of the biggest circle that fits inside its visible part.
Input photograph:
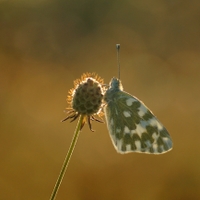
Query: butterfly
(132, 126)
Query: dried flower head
(86, 99)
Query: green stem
(67, 159)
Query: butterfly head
(115, 84)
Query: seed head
(86, 99)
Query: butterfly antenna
(118, 60)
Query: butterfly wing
(133, 127)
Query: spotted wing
(133, 127)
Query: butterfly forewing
(132, 126)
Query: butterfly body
(132, 126)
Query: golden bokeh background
(46, 45)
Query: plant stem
(67, 159)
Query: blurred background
(46, 45)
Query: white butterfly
(132, 126)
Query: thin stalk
(67, 158)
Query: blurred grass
(45, 45)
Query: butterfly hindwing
(132, 126)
